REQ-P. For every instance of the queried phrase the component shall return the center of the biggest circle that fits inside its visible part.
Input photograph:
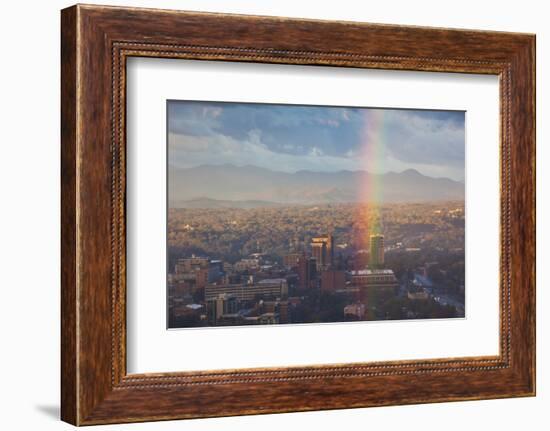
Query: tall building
(282, 308)
(333, 279)
(307, 271)
(376, 252)
(219, 305)
(322, 249)
(201, 278)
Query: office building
(249, 264)
(276, 288)
(201, 278)
(376, 251)
(219, 305)
(291, 260)
(360, 260)
(332, 279)
(282, 308)
(190, 264)
(322, 249)
(307, 271)
(374, 278)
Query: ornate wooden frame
(95, 42)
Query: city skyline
(287, 214)
(235, 267)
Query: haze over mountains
(224, 186)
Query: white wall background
(29, 214)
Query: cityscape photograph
(298, 214)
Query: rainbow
(372, 146)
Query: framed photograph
(326, 214)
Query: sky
(290, 138)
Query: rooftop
(372, 272)
(194, 306)
(272, 281)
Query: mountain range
(224, 186)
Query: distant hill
(215, 203)
(226, 186)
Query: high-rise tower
(376, 252)
(322, 249)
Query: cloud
(290, 137)
(426, 137)
(286, 128)
(188, 151)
